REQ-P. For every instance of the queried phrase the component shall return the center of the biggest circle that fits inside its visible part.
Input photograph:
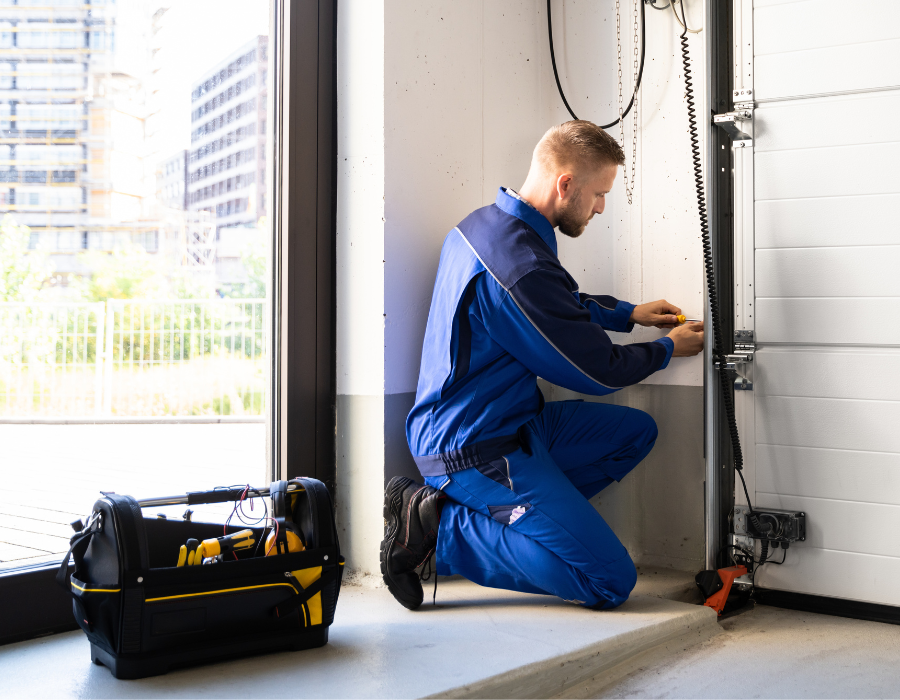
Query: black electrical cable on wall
(724, 376)
(637, 84)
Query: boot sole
(393, 504)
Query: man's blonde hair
(578, 144)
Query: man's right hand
(688, 339)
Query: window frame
(301, 436)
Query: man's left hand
(660, 313)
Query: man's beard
(570, 220)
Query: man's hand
(657, 313)
(688, 339)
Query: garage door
(818, 281)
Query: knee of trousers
(644, 429)
(619, 580)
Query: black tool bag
(143, 614)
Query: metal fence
(48, 359)
(133, 358)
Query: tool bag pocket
(179, 609)
(144, 612)
(96, 608)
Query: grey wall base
(398, 460)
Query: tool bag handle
(217, 495)
(224, 495)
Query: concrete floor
(771, 653)
(485, 643)
(476, 642)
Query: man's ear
(564, 185)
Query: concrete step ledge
(662, 627)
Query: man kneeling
(508, 477)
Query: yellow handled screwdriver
(223, 545)
(682, 319)
(188, 552)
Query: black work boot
(412, 515)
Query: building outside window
(134, 230)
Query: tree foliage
(24, 273)
(255, 259)
(128, 272)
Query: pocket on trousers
(509, 515)
(497, 470)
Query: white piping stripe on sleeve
(534, 325)
(601, 305)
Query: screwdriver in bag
(223, 545)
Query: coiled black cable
(637, 84)
(724, 376)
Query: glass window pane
(135, 255)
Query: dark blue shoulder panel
(507, 246)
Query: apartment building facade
(171, 181)
(71, 125)
(226, 168)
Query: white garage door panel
(841, 424)
(828, 70)
(823, 416)
(828, 321)
(870, 271)
(872, 477)
(816, 24)
(827, 121)
(878, 521)
(846, 575)
(837, 373)
(828, 172)
(797, 223)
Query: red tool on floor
(717, 585)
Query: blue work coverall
(518, 472)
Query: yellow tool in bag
(223, 545)
(188, 553)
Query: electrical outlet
(786, 525)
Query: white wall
(667, 257)
(361, 197)
(441, 102)
(468, 91)
(462, 106)
(650, 249)
(360, 278)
